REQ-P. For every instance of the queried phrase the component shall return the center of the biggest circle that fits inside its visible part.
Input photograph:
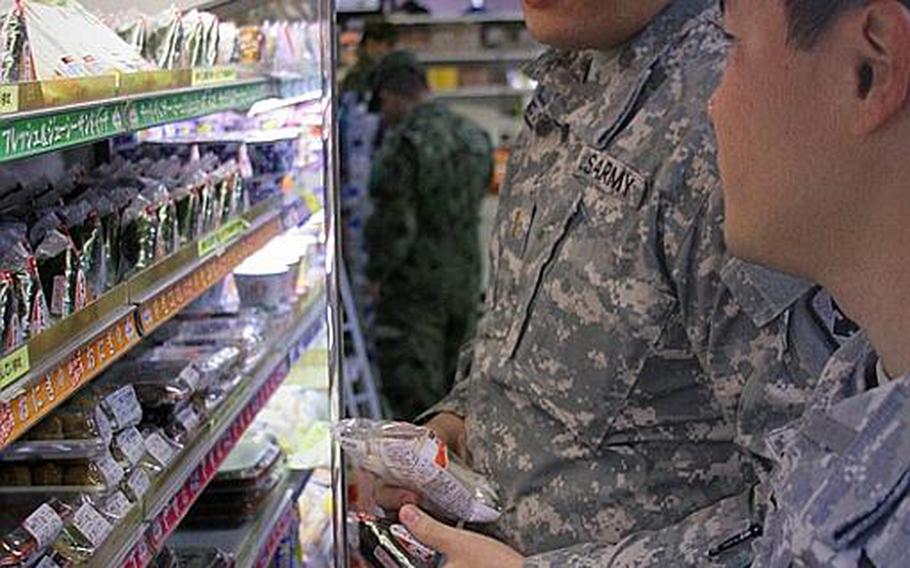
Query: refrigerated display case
(156, 174)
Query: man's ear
(882, 72)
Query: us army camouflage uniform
(427, 184)
(841, 488)
(621, 347)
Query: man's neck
(874, 287)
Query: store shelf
(467, 19)
(253, 544)
(500, 56)
(33, 132)
(53, 365)
(272, 104)
(493, 92)
(168, 502)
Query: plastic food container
(265, 285)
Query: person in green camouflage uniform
(379, 38)
(427, 183)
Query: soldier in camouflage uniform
(813, 117)
(624, 353)
(427, 183)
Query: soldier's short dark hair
(809, 19)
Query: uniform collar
(595, 110)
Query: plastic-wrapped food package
(385, 543)
(31, 450)
(31, 538)
(164, 39)
(58, 268)
(118, 403)
(157, 383)
(138, 237)
(202, 366)
(101, 473)
(84, 534)
(243, 483)
(83, 225)
(109, 218)
(77, 420)
(16, 261)
(273, 152)
(250, 44)
(128, 447)
(14, 53)
(161, 449)
(414, 458)
(227, 43)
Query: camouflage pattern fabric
(428, 181)
(841, 487)
(622, 352)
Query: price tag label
(190, 376)
(110, 470)
(159, 449)
(213, 76)
(117, 506)
(14, 366)
(220, 237)
(131, 445)
(188, 419)
(9, 99)
(91, 524)
(44, 525)
(139, 483)
(124, 407)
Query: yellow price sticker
(9, 99)
(14, 366)
(312, 202)
(213, 76)
(222, 236)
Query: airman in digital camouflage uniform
(427, 183)
(623, 352)
(813, 120)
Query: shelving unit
(167, 503)
(489, 56)
(44, 373)
(430, 20)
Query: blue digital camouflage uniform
(623, 353)
(840, 493)
(427, 183)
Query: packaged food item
(254, 458)
(17, 261)
(84, 227)
(164, 39)
(160, 449)
(272, 151)
(414, 458)
(66, 40)
(24, 545)
(25, 450)
(83, 535)
(58, 267)
(77, 420)
(120, 405)
(251, 43)
(137, 243)
(385, 543)
(201, 366)
(128, 447)
(9, 317)
(115, 506)
(157, 383)
(136, 484)
(227, 43)
(15, 64)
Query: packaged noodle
(413, 457)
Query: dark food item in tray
(385, 543)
